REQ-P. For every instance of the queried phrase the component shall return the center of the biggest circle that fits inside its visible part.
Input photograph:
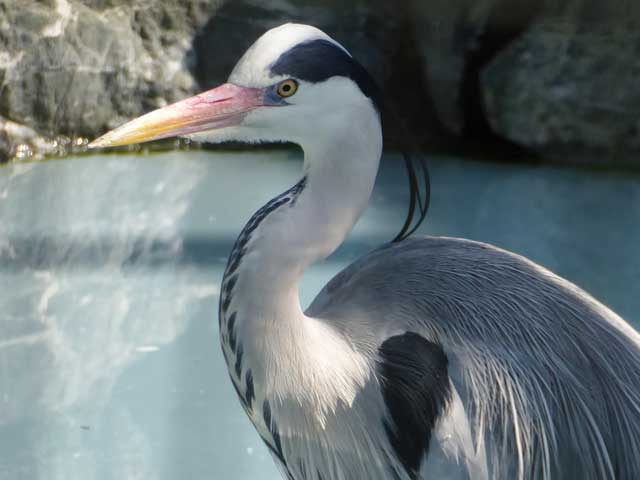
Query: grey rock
(454, 40)
(445, 32)
(568, 88)
(71, 68)
(21, 142)
(562, 85)
(78, 68)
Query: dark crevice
(411, 119)
(506, 23)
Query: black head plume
(419, 194)
(318, 60)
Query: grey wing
(548, 378)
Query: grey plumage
(550, 376)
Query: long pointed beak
(224, 106)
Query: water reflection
(109, 273)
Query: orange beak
(224, 106)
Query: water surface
(110, 268)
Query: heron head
(294, 84)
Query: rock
(21, 142)
(79, 68)
(445, 32)
(554, 77)
(568, 88)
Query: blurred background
(549, 79)
(528, 113)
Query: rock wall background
(554, 79)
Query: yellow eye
(287, 88)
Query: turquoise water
(109, 274)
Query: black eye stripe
(318, 60)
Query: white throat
(260, 307)
(340, 165)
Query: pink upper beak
(224, 106)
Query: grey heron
(426, 358)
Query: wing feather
(549, 377)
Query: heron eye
(287, 88)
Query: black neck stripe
(318, 60)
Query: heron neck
(263, 329)
(306, 224)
